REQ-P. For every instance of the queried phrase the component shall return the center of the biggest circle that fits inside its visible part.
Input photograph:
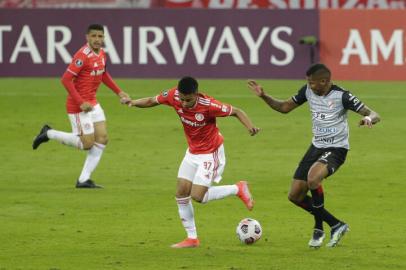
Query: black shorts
(333, 157)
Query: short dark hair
(318, 70)
(188, 85)
(98, 27)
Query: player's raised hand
(86, 107)
(256, 88)
(253, 131)
(366, 121)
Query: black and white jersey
(329, 115)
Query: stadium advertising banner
(287, 4)
(161, 43)
(365, 45)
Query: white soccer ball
(249, 231)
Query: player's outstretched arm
(282, 106)
(109, 82)
(142, 102)
(243, 117)
(370, 117)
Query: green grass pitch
(45, 223)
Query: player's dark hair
(188, 85)
(318, 70)
(97, 27)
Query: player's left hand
(256, 88)
(253, 131)
(366, 121)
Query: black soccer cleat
(87, 184)
(41, 137)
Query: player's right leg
(94, 155)
(298, 196)
(186, 173)
(97, 146)
(186, 214)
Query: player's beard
(96, 47)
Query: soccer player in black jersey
(328, 104)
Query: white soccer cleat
(317, 239)
(338, 233)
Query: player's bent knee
(87, 144)
(182, 194)
(102, 140)
(313, 183)
(293, 198)
(197, 198)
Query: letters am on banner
(366, 45)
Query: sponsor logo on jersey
(97, 72)
(330, 104)
(78, 63)
(199, 117)
(325, 130)
(191, 123)
(326, 140)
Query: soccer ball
(249, 231)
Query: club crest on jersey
(87, 126)
(199, 117)
(78, 63)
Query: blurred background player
(82, 79)
(329, 104)
(204, 160)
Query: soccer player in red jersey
(204, 160)
(82, 79)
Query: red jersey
(88, 68)
(199, 122)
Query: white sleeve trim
(360, 107)
(231, 110)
